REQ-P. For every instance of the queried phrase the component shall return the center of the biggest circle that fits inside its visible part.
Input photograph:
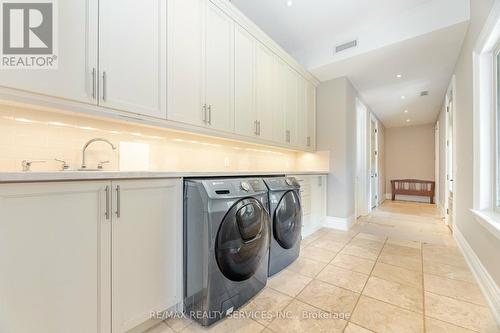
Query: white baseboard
(339, 223)
(307, 231)
(488, 286)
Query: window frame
(496, 130)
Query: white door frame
(373, 167)
(362, 169)
(449, 160)
(437, 143)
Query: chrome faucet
(84, 165)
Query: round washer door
(242, 240)
(287, 221)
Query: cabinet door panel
(264, 90)
(279, 101)
(186, 54)
(291, 106)
(146, 250)
(245, 115)
(311, 115)
(132, 56)
(77, 57)
(219, 85)
(54, 257)
(302, 125)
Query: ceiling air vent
(424, 93)
(345, 46)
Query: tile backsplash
(44, 135)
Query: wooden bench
(424, 188)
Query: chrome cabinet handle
(288, 136)
(118, 203)
(210, 114)
(104, 86)
(255, 130)
(258, 127)
(106, 214)
(309, 141)
(204, 115)
(93, 84)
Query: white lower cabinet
(313, 194)
(88, 256)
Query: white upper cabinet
(186, 58)
(77, 58)
(245, 115)
(132, 56)
(219, 69)
(264, 78)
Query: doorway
(373, 163)
(362, 201)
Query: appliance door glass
(287, 221)
(242, 240)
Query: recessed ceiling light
(408, 120)
(403, 97)
(289, 3)
(399, 76)
(406, 111)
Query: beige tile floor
(398, 270)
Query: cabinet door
(132, 56)
(291, 106)
(245, 115)
(264, 90)
(318, 199)
(77, 59)
(146, 249)
(279, 101)
(311, 115)
(219, 85)
(54, 258)
(302, 126)
(186, 54)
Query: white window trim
(484, 70)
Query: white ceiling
(426, 63)
(311, 20)
(420, 39)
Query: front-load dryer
(286, 222)
(226, 245)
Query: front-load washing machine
(286, 222)
(226, 245)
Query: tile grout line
(294, 298)
(361, 293)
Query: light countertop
(32, 176)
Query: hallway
(398, 270)
(407, 221)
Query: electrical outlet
(227, 163)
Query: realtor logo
(29, 39)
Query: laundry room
(241, 166)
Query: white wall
(485, 245)
(336, 133)
(409, 153)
